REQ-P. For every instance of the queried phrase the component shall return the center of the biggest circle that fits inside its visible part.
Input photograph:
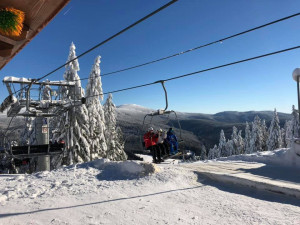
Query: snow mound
(85, 178)
(122, 170)
(284, 156)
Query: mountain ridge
(198, 128)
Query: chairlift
(164, 114)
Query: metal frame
(34, 108)
(298, 93)
(161, 112)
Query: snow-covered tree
(274, 141)
(94, 93)
(265, 135)
(295, 122)
(72, 126)
(222, 144)
(288, 133)
(203, 153)
(213, 153)
(229, 147)
(247, 139)
(256, 136)
(234, 138)
(28, 135)
(115, 149)
(283, 139)
(240, 144)
(46, 95)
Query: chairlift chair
(160, 113)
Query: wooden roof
(38, 13)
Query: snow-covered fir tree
(240, 144)
(28, 135)
(283, 143)
(115, 149)
(274, 141)
(288, 133)
(94, 93)
(222, 145)
(203, 153)
(229, 147)
(256, 136)
(234, 138)
(213, 153)
(247, 139)
(291, 128)
(295, 122)
(265, 135)
(120, 144)
(73, 125)
(46, 92)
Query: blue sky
(263, 84)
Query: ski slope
(103, 192)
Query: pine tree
(240, 144)
(46, 92)
(73, 125)
(203, 153)
(295, 122)
(256, 136)
(289, 133)
(274, 141)
(217, 152)
(28, 136)
(115, 149)
(229, 147)
(265, 135)
(247, 139)
(283, 145)
(94, 93)
(234, 138)
(222, 144)
(213, 153)
(120, 143)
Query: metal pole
(42, 129)
(298, 93)
(166, 94)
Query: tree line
(257, 137)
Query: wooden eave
(38, 13)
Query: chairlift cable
(200, 71)
(198, 47)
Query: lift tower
(47, 102)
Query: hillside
(197, 128)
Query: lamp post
(296, 77)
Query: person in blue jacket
(172, 139)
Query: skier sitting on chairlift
(172, 139)
(163, 143)
(150, 139)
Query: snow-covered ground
(281, 157)
(103, 192)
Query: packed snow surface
(283, 157)
(130, 192)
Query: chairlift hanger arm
(162, 82)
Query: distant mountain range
(197, 128)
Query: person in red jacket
(150, 139)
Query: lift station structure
(40, 100)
